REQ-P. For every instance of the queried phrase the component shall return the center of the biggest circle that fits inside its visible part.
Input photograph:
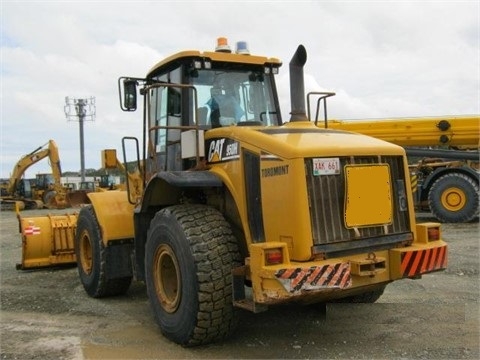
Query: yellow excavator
(443, 154)
(23, 194)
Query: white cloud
(383, 59)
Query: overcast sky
(382, 58)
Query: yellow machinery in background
(443, 154)
(235, 208)
(49, 240)
(45, 192)
(462, 131)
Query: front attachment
(47, 241)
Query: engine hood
(304, 139)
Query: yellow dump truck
(241, 209)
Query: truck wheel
(366, 298)
(190, 253)
(454, 198)
(90, 255)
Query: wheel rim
(453, 199)
(86, 253)
(166, 275)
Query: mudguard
(114, 214)
(166, 186)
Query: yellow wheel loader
(240, 209)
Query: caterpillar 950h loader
(241, 210)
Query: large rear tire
(190, 253)
(453, 198)
(91, 258)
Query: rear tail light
(433, 233)
(273, 256)
(427, 232)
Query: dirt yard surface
(47, 315)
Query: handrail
(325, 94)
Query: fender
(114, 214)
(166, 186)
(466, 170)
(164, 189)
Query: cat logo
(222, 149)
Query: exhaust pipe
(297, 87)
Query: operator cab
(199, 91)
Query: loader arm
(134, 178)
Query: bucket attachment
(53, 200)
(77, 198)
(47, 241)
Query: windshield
(234, 97)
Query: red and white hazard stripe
(32, 230)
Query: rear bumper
(323, 279)
(416, 260)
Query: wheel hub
(167, 282)
(453, 199)
(86, 253)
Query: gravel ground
(47, 315)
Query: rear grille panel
(327, 198)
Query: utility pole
(80, 110)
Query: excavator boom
(53, 198)
(23, 164)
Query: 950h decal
(222, 149)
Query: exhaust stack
(297, 86)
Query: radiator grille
(327, 197)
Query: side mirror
(130, 95)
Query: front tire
(453, 198)
(190, 253)
(91, 258)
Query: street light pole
(81, 110)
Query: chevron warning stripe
(413, 182)
(315, 277)
(423, 261)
